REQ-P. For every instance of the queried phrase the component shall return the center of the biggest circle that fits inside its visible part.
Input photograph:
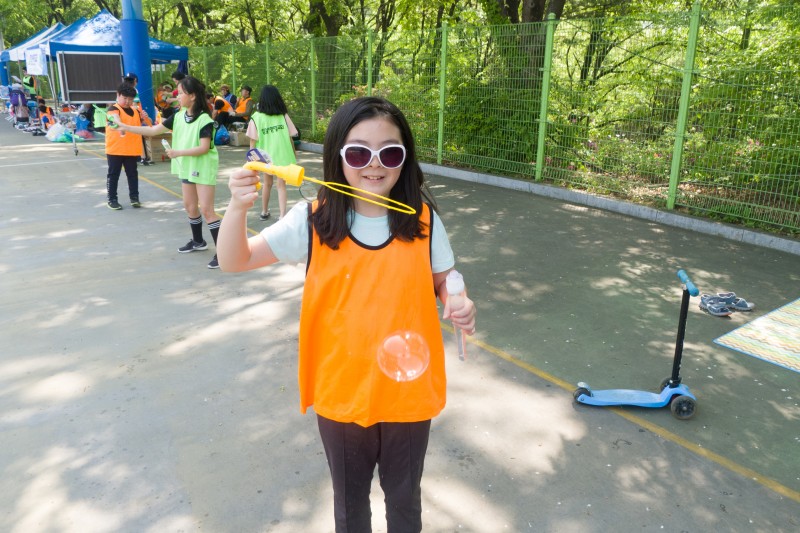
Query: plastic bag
(55, 131)
(222, 136)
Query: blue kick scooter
(682, 403)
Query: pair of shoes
(113, 204)
(725, 300)
(213, 263)
(192, 246)
(714, 306)
(147, 162)
(264, 216)
(135, 202)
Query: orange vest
(161, 99)
(226, 105)
(46, 117)
(147, 120)
(128, 144)
(353, 298)
(241, 106)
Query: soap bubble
(403, 355)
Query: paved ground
(142, 392)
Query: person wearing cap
(146, 159)
(225, 92)
(244, 106)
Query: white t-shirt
(288, 238)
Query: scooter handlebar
(684, 277)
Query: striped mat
(774, 337)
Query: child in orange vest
(370, 272)
(123, 149)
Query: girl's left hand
(463, 318)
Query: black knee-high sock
(197, 228)
(213, 227)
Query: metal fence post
(313, 87)
(545, 97)
(205, 63)
(233, 67)
(683, 108)
(370, 43)
(442, 90)
(266, 60)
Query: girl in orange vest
(370, 272)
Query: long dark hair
(194, 86)
(330, 219)
(270, 102)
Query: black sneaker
(264, 216)
(135, 202)
(192, 246)
(213, 263)
(147, 162)
(113, 204)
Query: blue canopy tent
(22, 51)
(102, 33)
(17, 53)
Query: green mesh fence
(645, 109)
(742, 153)
(613, 105)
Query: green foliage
(614, 97)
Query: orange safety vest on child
(46, 117)
(353, 299)
(128, 144)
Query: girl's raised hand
(244, 185)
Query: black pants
(115, 164)
(353, 451)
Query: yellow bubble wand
(295, 175)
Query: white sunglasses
(358, 156)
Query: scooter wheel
(581, 391)
(683, 407)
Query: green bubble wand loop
(295, 175)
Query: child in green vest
(270, 129)
(194, 160)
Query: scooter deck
(634, 397)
